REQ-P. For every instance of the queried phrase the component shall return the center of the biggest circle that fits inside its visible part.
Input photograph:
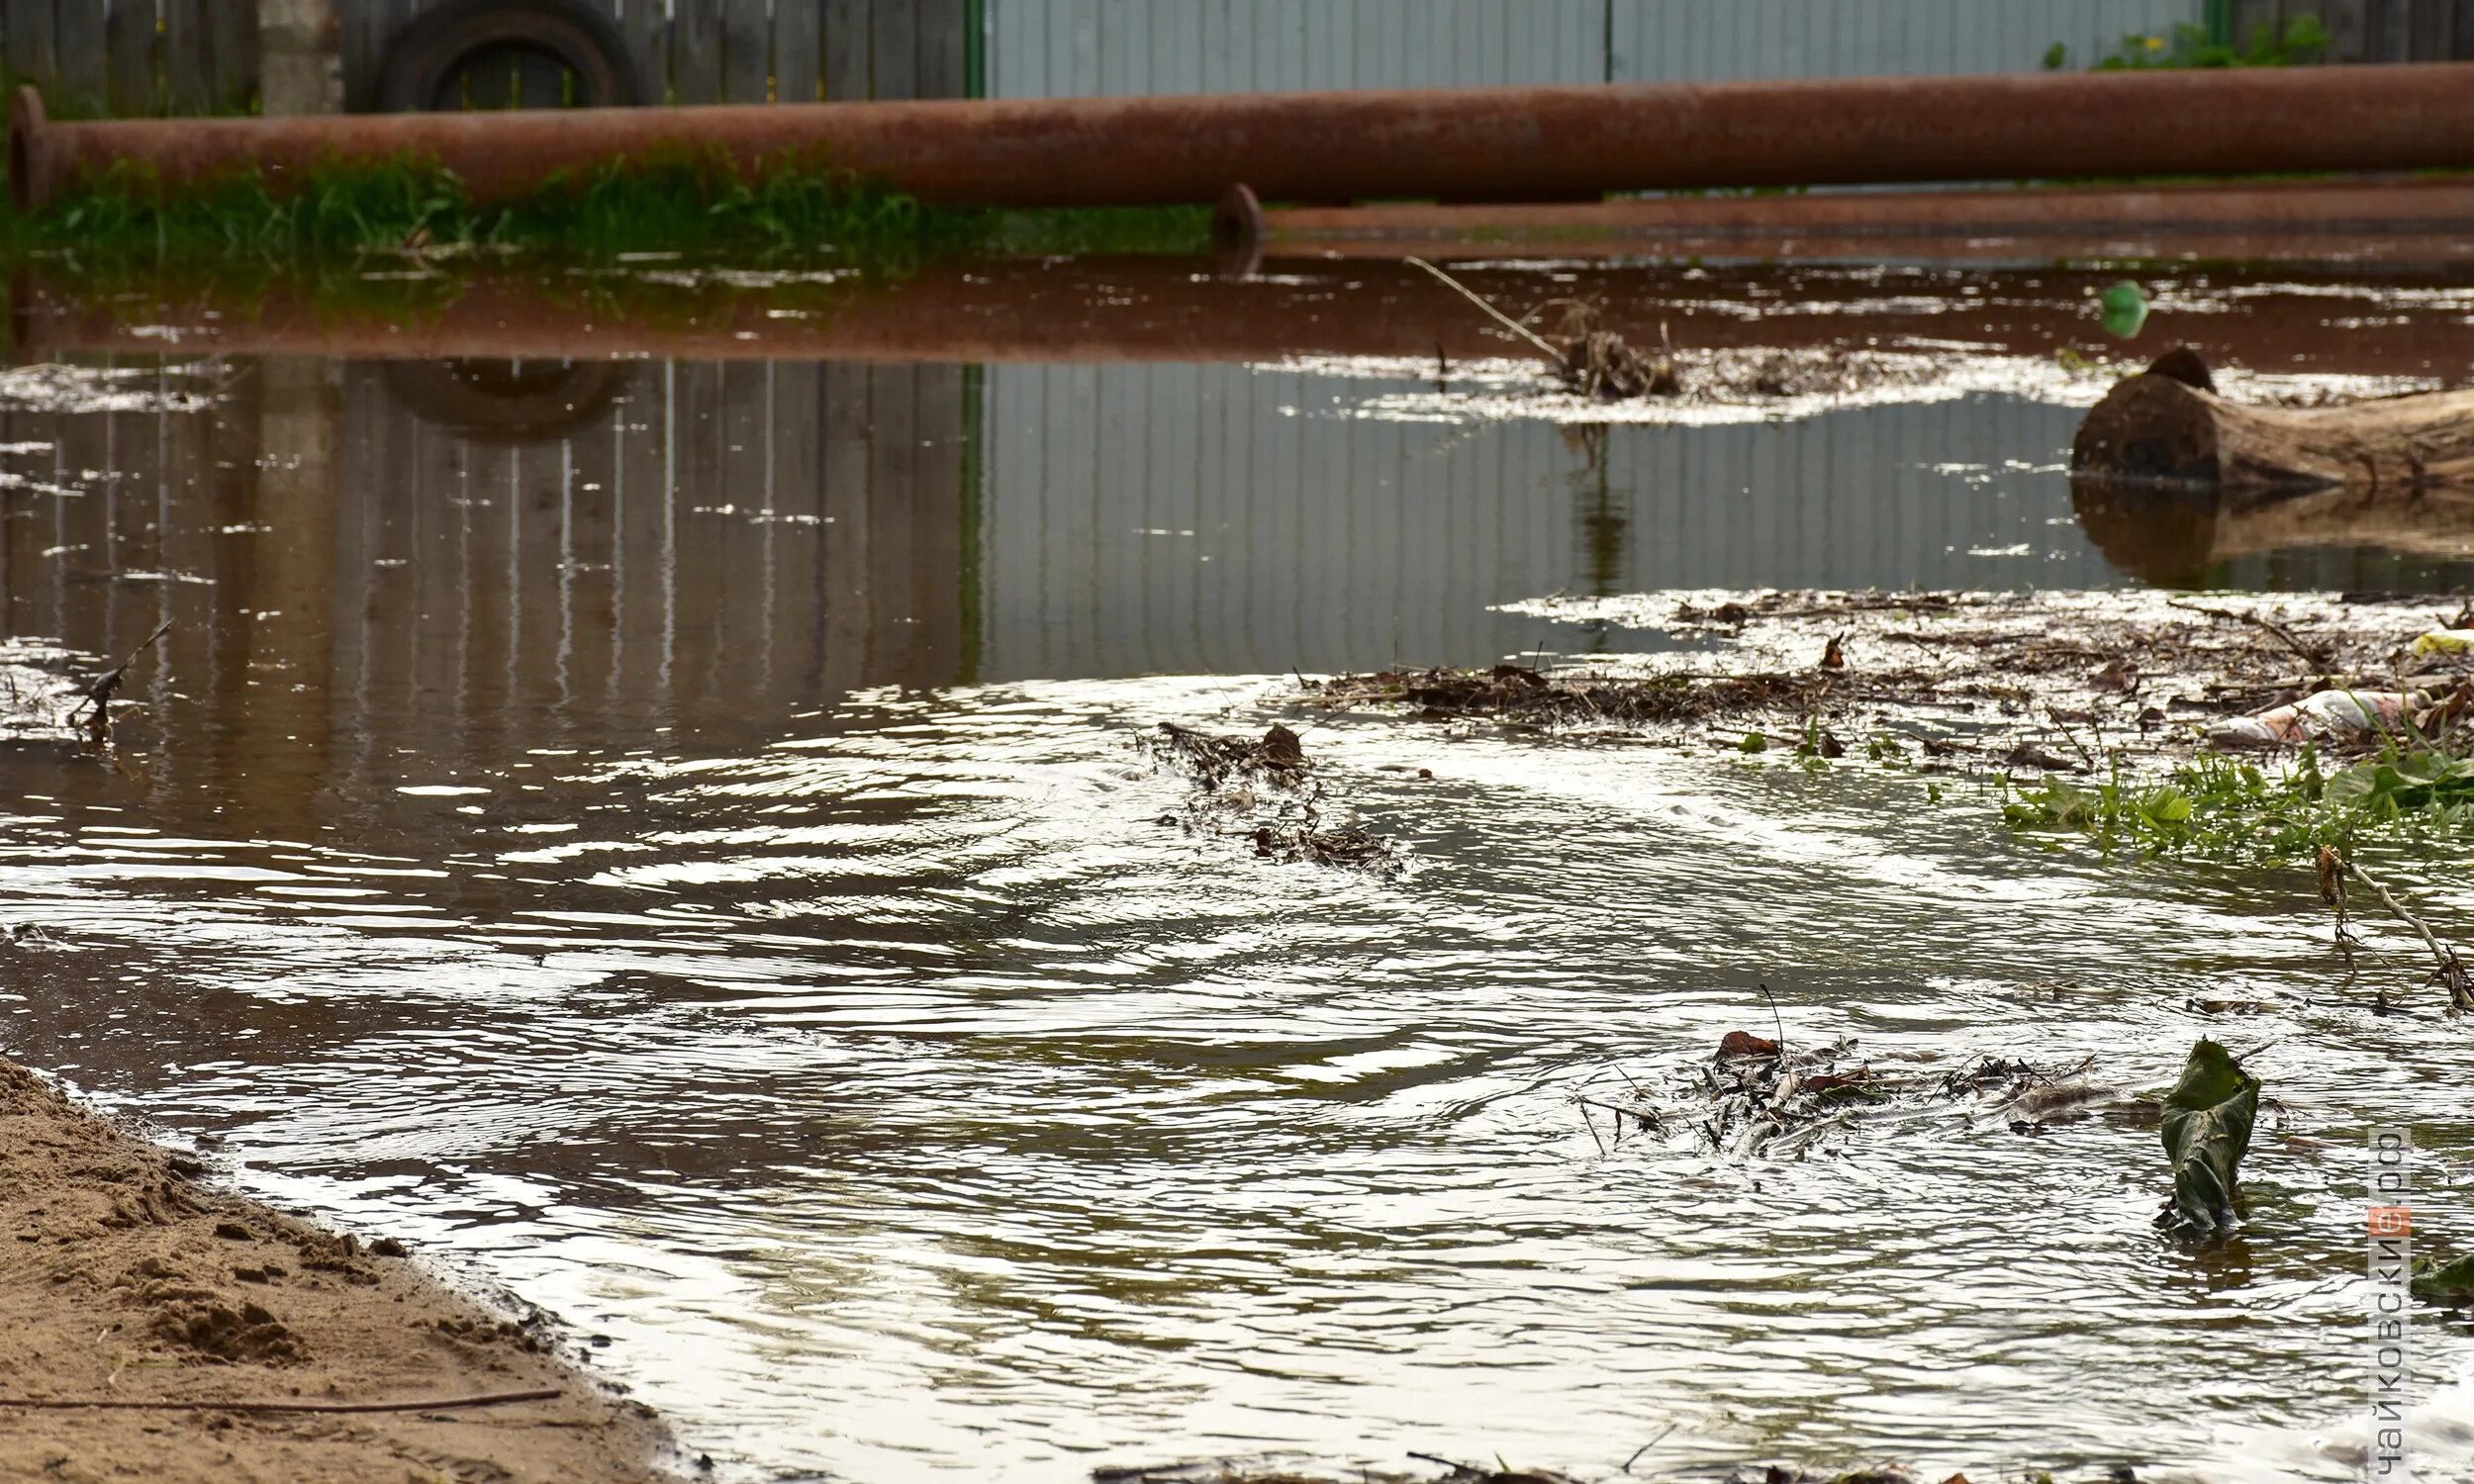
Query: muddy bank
(130, 1282)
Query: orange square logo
(2392, 1221)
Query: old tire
(507, 401)
(426, 58)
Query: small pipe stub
(30, 152)
(1237, 233)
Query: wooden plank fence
(133, 56)
(727, 50)
(201, 56)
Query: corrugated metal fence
(1682, 41)
(1074, 47)
(1042, 48)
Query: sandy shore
(123, 1278)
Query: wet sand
(129, 1280)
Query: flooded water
(665, 835)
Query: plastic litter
(2326, 713)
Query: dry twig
(99, 693)
(438, 1404)
(2278, 631)
(2448, 971)
(1507, 322)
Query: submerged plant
(2450, 1284)
(2207, 1130)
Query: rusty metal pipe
(2312, 206)
(2320, 220)
(1474, 143)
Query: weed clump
(2303, 39)
(685, 202)
(2231, 808)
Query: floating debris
(96, 706)
(1347, 846)
(2325, 716)
(1265, 791)
(1592, 362)
(1519, 695)
(1274, 1471)
(1761, 1097)
(1278, 759)
(2059, 682)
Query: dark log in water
(2169, 426)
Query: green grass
(404, 241)
(686, 204)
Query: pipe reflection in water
(1116, 310)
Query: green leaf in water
(2124, 309)
(2405, 782)
(2451, 1284)
(2207, 1128)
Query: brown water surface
(664, 833)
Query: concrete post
(300, 56)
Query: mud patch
(131, 1282)
(193, 1317)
